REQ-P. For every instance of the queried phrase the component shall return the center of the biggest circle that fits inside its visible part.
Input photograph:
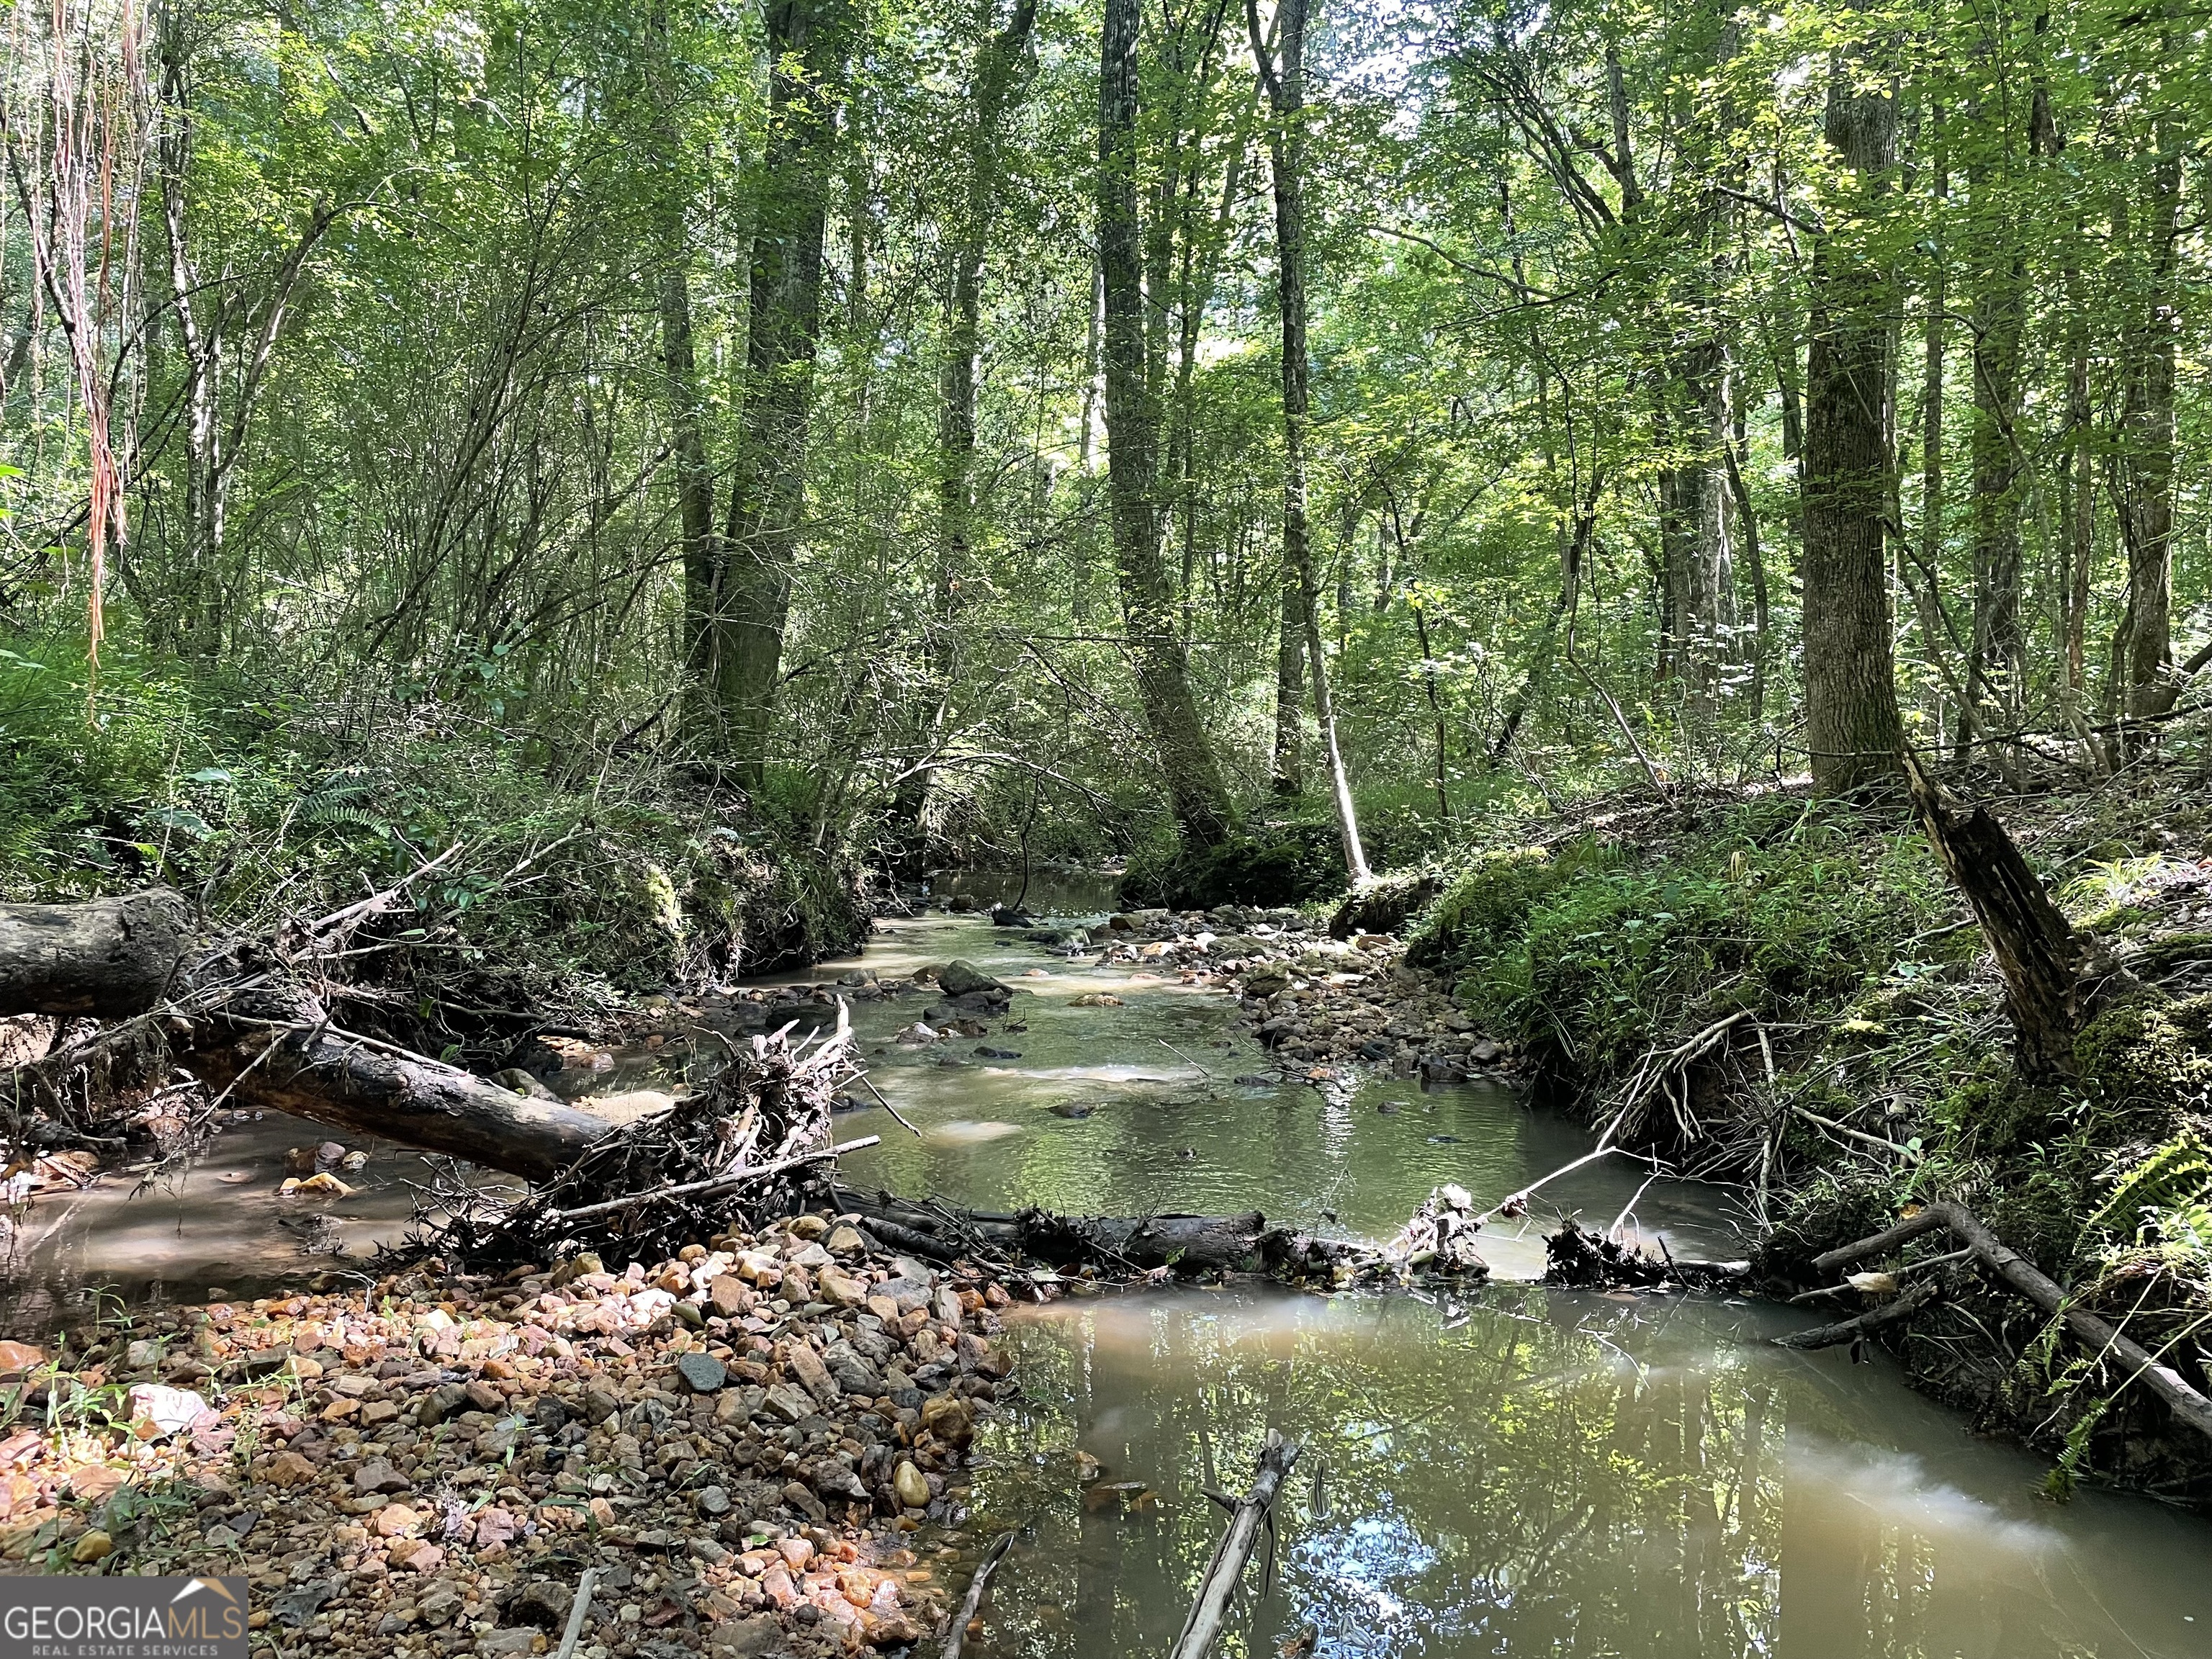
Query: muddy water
(1520, 1472)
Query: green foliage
(1586, 955)
(2165, 1199)
(618, 878)
(1273, 865)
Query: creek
(1512, 1470)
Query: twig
(984, 1569)
(1905, 1152)
(1185, 1057)
(582, 1605)
(375, 902)
(721, 1183)
(883, 1101)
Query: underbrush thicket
(579, 878)
(1792, 997)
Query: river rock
(959, 978)
(909, 1486)
(701, 1372)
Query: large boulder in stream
(961, 980)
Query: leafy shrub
(1277, 864)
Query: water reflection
(1548, 1473)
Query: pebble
(431, 1465)
(701, 1372)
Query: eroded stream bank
(1521, 1470)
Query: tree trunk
(1286, 775)
(996, 65)
(695, 479)
(2143, 463)
(2042, 957)
(108, 956)
(1185, 756)
(1997, 668)
(1286, 86)
(768, 485)
(1852, 728)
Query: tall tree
(2144, 685)
(1852, 729)
(998, 69)
(1195, 794)
(738, 639)
(1285, 84)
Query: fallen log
(2007, 1264)
(1185, 1245)
(1202, 1629)
(106, 956)
(366, 1087)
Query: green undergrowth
(1588, 951)
(580, 877)
(1284, 862)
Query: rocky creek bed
(745, 1442)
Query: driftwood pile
(751, 1143)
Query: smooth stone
(701, 1372)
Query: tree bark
(996, 66)
(2143, 462)
(695, 479)
(1199, 804)
(752, 600)
(109, 958)
(2043, 959)
(1996, 667)
(1287, 774)
(1285, 85)
(1852, 728)
(307, 1068)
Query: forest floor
(737, 1442)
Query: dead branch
(1996, 1257)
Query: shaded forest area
(650, 482)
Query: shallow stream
(1517, 1471)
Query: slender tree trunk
(1998, 664)
(1195, 794)
(695, 477)
(2143, 463)
(807, 40)
(997, 67)
(1853, 732)
(1285, 85)
(1287, 774)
